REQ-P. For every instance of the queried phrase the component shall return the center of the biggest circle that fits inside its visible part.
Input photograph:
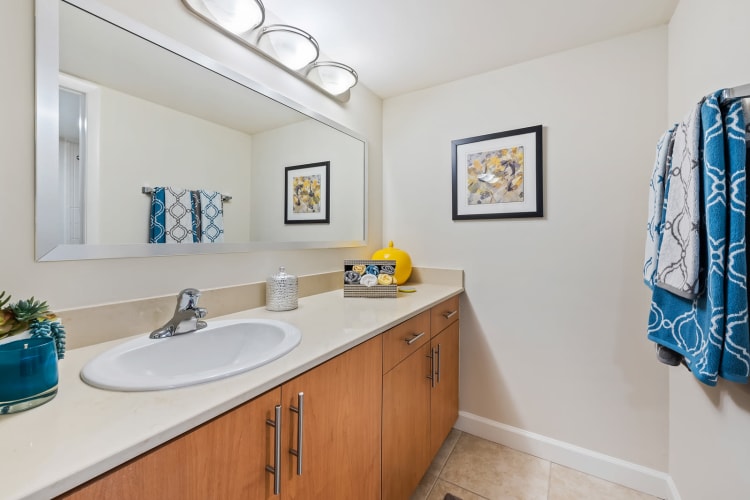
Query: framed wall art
(306, 193)
(498, 175)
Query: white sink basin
(222, 349)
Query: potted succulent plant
(28, 319)
(32, 340)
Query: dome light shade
(291, 46)
(288, 47)
(237, 16)
(333, 77)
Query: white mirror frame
(48, 217)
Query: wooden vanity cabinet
(406, 406)
(341, 431)
(373, 419)
(445, 353)
(226, 458)
(420, 395)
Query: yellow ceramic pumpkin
(403, 261)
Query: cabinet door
(341, 428)
(444, 401)
(224, 458)
(406, 425)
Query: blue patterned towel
(173, 218)
(211, 216)
(711, 330)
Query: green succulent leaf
(27, 310)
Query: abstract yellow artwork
(495, 176)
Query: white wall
(304, 143)
(76, 284)
(709, 49)
(554, 316)
(146, 144)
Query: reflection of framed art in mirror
(307, 193)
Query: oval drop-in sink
(222, 349)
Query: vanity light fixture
(237, 16)
(289, 47)
(335, 77)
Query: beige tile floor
(472, 468)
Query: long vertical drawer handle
(276, 468)
(449, 315)
(438, 364)
(431, 376)
(300, 411)
(414, 338)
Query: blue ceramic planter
(28, 373)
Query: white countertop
(85, 431)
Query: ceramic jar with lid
(403, 261)
(281, 291)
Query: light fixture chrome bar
(739, 92)
(248, 43)
(149, 190)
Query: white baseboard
(637, 477)
(673, 493)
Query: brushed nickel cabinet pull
(300, 411)
(276, 468)
(449, 315)
(437, 373)
(431, 376)
(415, 337)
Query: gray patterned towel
(679, 251)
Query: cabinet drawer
(401, 340)
(443, 315)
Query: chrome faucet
(187, 316)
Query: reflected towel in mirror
(173, 216)
(211, 216)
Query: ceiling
(398, 46)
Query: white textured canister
(281, 291)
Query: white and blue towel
(654, 227)
(678, 262)
(211, 217)
(711, 329)
(172, 216)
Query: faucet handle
(187, 299)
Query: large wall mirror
(121, 108)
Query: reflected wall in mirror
(124, 107)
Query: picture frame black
(307, 193)
(499, 175)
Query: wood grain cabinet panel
(224, 458)
(420, 396)
(402, 340)
(443, 315)
(444, 397)
(341, 427)
(406, 425)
